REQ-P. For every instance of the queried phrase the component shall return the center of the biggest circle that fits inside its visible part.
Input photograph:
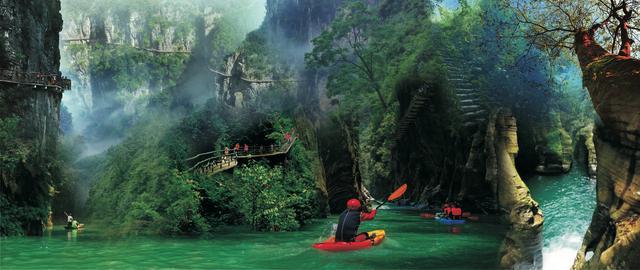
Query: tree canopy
(552, 24)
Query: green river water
(412, 242)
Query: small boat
(450, 221)
(333, 246)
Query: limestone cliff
(545, 139)
(587, 148)
(29, 45)
(270, 62)
(613, 238)
(522, 244)
(274, 54)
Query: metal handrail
(35, 78)
(230, 155)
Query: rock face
(522, 246)
(29, 43)
(297, 22)
(613, 82)
(545, 141)
(342, 173)
(112, 29)
(288, 29)
(585, 137)
(119, 55)
(555, 150)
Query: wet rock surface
(29, 31)
(522, 246)
(613, 238)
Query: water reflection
(72, 235)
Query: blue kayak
(450, 221)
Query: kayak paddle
(396, 194)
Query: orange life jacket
(456, 211)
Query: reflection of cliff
(613, 238)
(28, 169)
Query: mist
(102, 108)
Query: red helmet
(353, 204)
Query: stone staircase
(418, 103)
(470, 100)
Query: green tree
(262, 198)
(347, 42)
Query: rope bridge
(222, 160)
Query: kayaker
(71, 223)
(349, 222)
(456, 211)
(446, 210)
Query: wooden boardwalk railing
(35, 79)
(217, 161)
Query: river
(412, 242)
(567, 201)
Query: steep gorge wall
(29, 43)
(613, 238)
(522, 246)
(288, 28)
(119, 55)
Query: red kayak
(333, 246)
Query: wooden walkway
(217, 161)
(35, 79)
(66, 42)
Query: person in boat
(349, 222)
(456, 211)
(446, 210)
(72, 223)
